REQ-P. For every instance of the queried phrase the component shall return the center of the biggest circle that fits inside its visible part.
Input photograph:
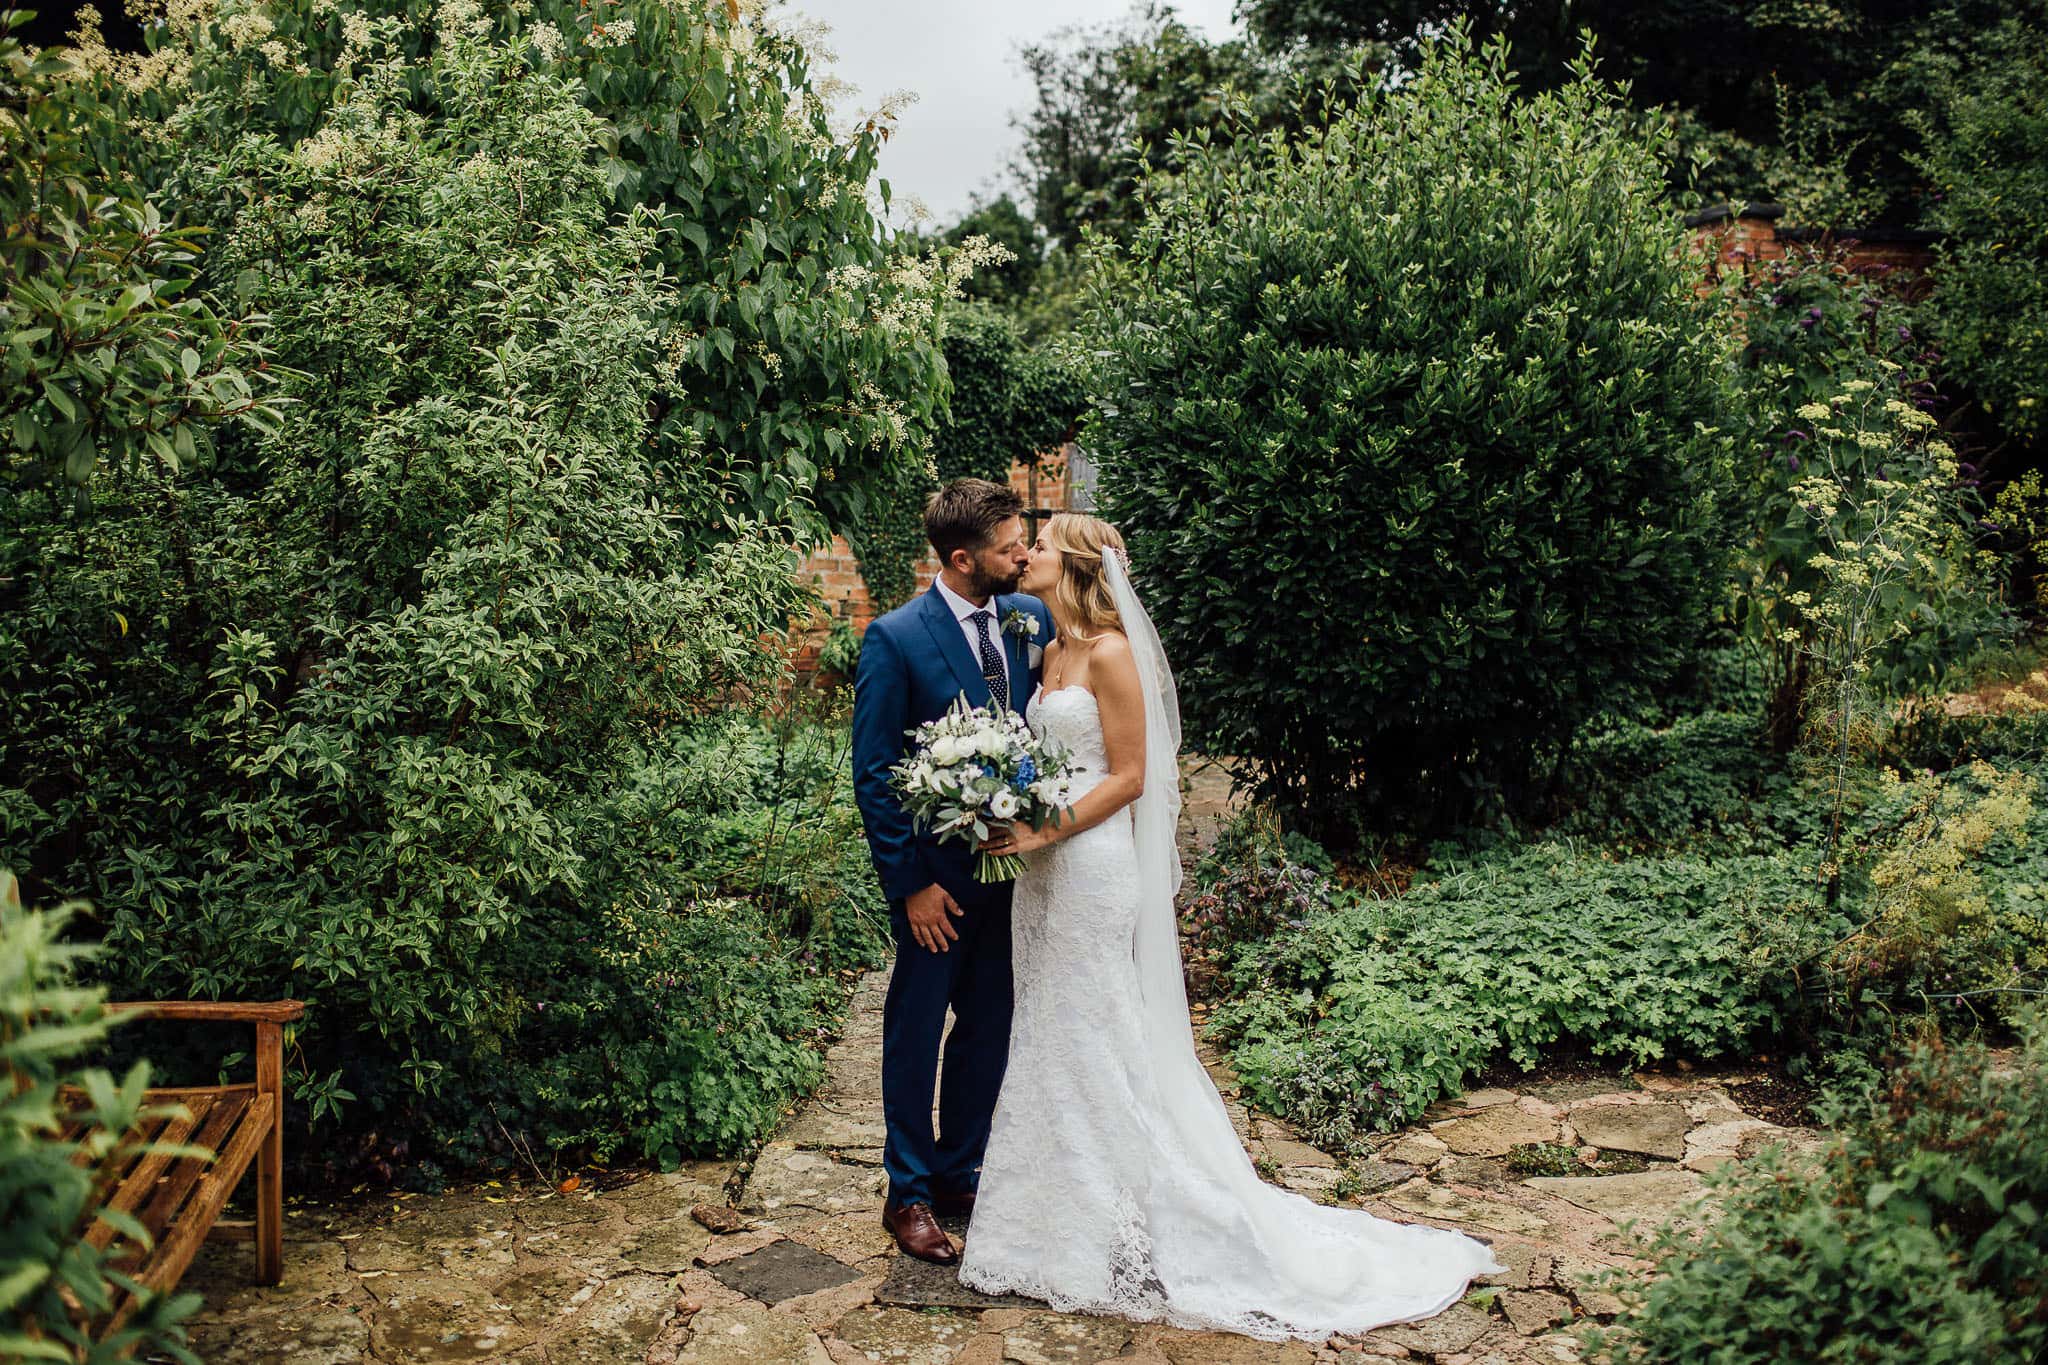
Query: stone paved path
(799, 1269)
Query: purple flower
(1797, 435)
(1905, 333)
(1792, 464)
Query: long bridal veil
(1297, 1268)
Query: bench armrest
(228, 1011)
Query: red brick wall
(835, 573)
(1746, 240)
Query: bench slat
(221, 1120)
(127, 1154)
(142, 1179)
(210, 1194)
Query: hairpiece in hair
(1123, 556)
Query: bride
(1113, 1181)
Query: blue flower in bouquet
(1027, 773)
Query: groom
(952, 933)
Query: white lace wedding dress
(1113, 1181)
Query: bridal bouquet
(977, 766)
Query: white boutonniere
(1023, 625)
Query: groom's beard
(986, 584)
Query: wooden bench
(179, 1198)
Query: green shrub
(1916, 1238)
(1696, 780)
(1412, 424)
(49, 1188)
(1949, 917)
(1402, 999)
(1986, 139)
(406, 710)
(1242, 907)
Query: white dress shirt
(962, 609)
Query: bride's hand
(1015, 839)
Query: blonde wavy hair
(1082, 592)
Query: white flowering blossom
(548, 42)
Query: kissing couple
(1076, 1127)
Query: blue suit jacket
(913, 663)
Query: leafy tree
(1413, 424)
(110, 354)
(1112, 99)
(1808, 104)
(801, 344)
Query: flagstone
(901, 1337)
(668, 1248)
(1493, 1132)
(542, 1294)
(1454, 1329)
(787, 1178)
(1288, 1152)
(618, 1325)
(750, 1335)
(850, 1237)
(823, 1126)
(1227, 1348)
(1646, 1129)
(436, 1237)
(328, 1336)
(1715, 1144)
(783, 1270)
(1419, 1149)
(1535, 1310)
(912, 1283)
(433, 1318)
(1437, 1202)
(1064, 1339)
(1647, 1196)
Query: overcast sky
(960, 58)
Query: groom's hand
(928, 910)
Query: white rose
(946, 750)
(1003, 805)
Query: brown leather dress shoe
(954, 1205)
(915, 1230)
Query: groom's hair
(963, 514)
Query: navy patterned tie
(991, 661)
